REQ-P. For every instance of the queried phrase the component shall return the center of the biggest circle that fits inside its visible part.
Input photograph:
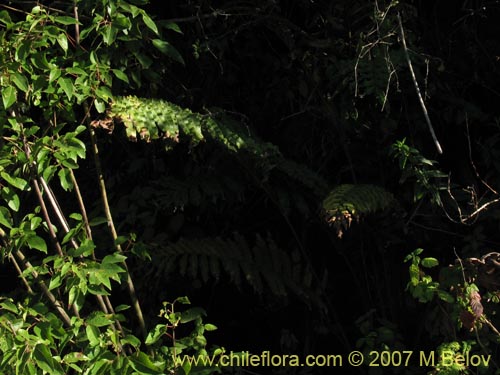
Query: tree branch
(417, 89)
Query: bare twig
(417, 89)
(472, 162)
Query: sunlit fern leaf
(151, 119)
(349, 202)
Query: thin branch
(55, 302)
(79, 198)
(12, 258)
(417, 89)
(111, 226)
(214, 14)
(470, 158)
(39, 195)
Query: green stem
(111, 226)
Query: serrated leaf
(8, 96)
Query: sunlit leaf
(8, 96)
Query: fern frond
(151, 119)
(346, 203)
(262, 266)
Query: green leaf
(167, 49)
(55, 282)
(66, 20)
(131, 340)
(93, 335)
(171, 26)
(62, 39)
(183, 300)
(210, 327)
(65, 179)
(10, 197)
(97, 221)
(67, 85)
(5, 218)
(38, 243)
(5, 18)
(143, 364)
(16, 182)
(9, 306)
(114, 258)
(86, 248)
(429, 262)
(445, 296)
(9, 95)
(156, 334)
(149, 22)
(98, 319)
(20, 81)
(192, 314)
(100, 105)
(120, 75)
(104, 93)
(44, 360)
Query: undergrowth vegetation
(317, 177)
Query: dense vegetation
(316, 177)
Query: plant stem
(12, 258)
(417, 89)
(56, 303)
(111, 226)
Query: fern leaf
(348, 202)
(262, 266)
(151, 119)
